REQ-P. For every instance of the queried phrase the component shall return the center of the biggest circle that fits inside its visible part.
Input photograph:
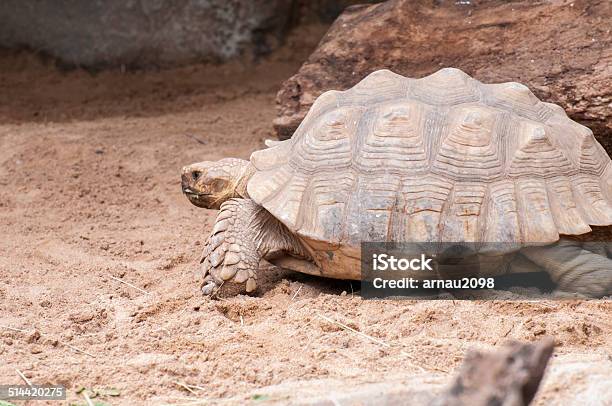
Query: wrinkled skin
(208, 184)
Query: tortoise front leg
(573, 268)
(243, 234)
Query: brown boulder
(561, 50)
(509, 376)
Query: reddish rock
(561, 50)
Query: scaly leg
(243, 234)
(573, 268)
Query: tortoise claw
(209, 288)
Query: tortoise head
(208, 184)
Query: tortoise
(440, 158)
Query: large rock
(561, 50)
(97, 33)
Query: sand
(90, 192)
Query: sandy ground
(89, 192)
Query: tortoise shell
(442, 158)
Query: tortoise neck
(243, 180)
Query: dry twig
(196, 139)
(185, 386)
(15, 329)
(129, 284)
(296, 293)
(26, 380)
(79, 350)
(87, 399)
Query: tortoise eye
(195, 175)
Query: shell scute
(391, 138)
(468, 149)
(448, 86)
